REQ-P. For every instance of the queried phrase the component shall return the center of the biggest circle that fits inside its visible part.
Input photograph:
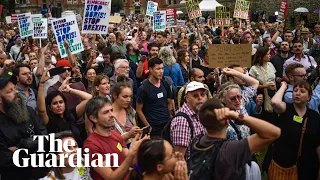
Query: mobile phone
(56, 71)
(75, 79)
(146, 130)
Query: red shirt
(103, 145)
(145, 69)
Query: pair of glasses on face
(236, 98)
(301, 76)
(67, 69)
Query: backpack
(201, 164)
(165, 134)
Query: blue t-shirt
(156, 108)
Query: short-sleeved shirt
(286, 147)
(78, 173)
(304, 61)
(231, 159)
(129, 122)
(269, 73)
(156, 108)
(105, 145)
(180, 131)
(30, 100)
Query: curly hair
(166, 55)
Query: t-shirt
(79, 173)
(231, 159)
(134, 57)
(286, 147)
(105, 145)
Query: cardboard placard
(66, 28)
(241, 9)
(159, 21)
(222, 16)
(96, 16)
(282, 11)
(151, 8)
(224, 55)
(25, 25)
(40, 28)
(193, 9)
(115, 19)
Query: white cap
(194, 85)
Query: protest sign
(66, 28)
(25, 25)
(282, 11)
(222, 16)
(40, 28)
(96, 16)
(159, 21)
(151, 8)
(8, 19)
(14, 18)
(116, 14)
(181, 23)
(224, 55)
(171, 17)
(115, 19)
(193, 9)
(241, 9)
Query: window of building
(69, 1)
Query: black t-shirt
(286, 147)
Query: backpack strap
(236, 129)
(188, 120)
(301, 138)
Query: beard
(16, 109)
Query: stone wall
(270, 6)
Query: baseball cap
(63, 63)
(7, 77)
(194, 85)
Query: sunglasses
(235, 98)
(67, 69)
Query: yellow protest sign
(193, 9)
(222, 16)
(241, 9)
(115, 19)
(224, 55)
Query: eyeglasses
(296, 46)
(67, 69)
(126, 67)
(302, 75)
(235, 98)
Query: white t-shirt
(48, 83)
(79, 173)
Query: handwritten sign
(151, 8)
(66, 28)
(171, 17)
(282, 11)
(193, 9)
(40, 28)
(181, 23)
(96, 16)
(241, 9)
(222, 16)
(159, 21)
(25, 25)
(224, 55)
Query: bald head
(197, 74)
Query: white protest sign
(96, 16)
(159, 21)
(25, 25)
(66, 28)
(8, 19)
(181, 23)
(40, 28)
(36, 16)
(116, 14)
(151, 8)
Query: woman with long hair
(88, 79)
(296, 153)
(101, 86)
(156, 159)
(183, 60)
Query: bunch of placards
(222, 16)
(25, 25)
(96, 16)
(171, 17)
(40, 28)
(151, 8)
(241, 9)
(66, 28)
(159, 21)
(193, 9)
(282, 10)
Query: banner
(193, 9)
(25, 25)
(66, 28)
(282, 11)
(40, 28)
(151, 8)
(96, 16)
(241, 9)
(222, 16)
(224, 55)
(181, 23)
(159, 21)
(171, 17)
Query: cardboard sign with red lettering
(222, 16)
(282, 10)
(193, 9)
(241, 9)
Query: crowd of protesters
(152, 98)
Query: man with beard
(279, 59)
(182, 131)
(24, 81)
(120, 46)
(18, 125)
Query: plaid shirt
(180, 131)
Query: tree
(116, 6)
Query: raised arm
(41, 104)
(278, 105)
(250, 81)
(140, 67)
(40, 67)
